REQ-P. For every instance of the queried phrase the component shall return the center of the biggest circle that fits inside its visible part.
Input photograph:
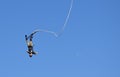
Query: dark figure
(30, 45)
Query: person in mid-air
(30, 45)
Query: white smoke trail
(64, 25)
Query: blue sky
(89, 46)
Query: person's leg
(31, 37)
(26, 38)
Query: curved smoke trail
(64, 25)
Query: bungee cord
(64, 25)
(29, 38)
(67, 18)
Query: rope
(64, 25)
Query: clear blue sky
(89, 46)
